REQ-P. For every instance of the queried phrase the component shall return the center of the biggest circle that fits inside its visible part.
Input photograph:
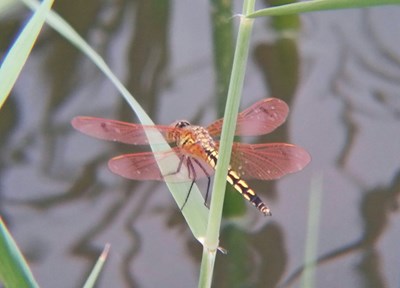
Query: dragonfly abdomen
(239, 184)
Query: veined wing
(143, 166)
(119, 131)
(261, 118)
(267, 161)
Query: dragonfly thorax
(191, 139)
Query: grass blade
(228, 129)
(14, 271)
(314, 210)
(319, 5)
(6, 5)
(91, 281)
(16, 57)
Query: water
(62, 204)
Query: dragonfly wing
(261, 118)
(268, 161)
(143, 166)
(119, 131)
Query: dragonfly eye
(182, 124)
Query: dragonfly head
(181, 124)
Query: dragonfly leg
(187, 196)
(190, 172)
(208, 181)
(208, 190)
(192, 175)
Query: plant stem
(231, 110)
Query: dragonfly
(197, 149)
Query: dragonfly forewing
(118, 131)
(261, 118)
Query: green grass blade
(206, 268)
(5, 6)
(228, 130)
(16, 57)
(308, 278)
(229, 125)
(91, 281)
(14, 272)
(195, 213)
(319, 5)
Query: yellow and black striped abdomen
(239, 184)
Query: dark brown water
(340, 73)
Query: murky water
(340, 74)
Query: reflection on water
(377, 206)
(340, 74)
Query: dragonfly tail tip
(266, 212)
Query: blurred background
(339, 72)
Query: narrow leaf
(14, 272)
(319, 5)
(94, 275)
(16, 57)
